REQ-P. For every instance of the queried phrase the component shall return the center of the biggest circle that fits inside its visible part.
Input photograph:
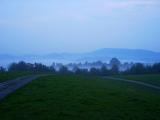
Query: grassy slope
(77, 97)
(152, 79)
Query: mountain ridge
(103, 54)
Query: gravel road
(135, 82)
(10, 86)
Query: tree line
(137, 68)
(28, 67)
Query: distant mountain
(105, 54)
(125, 54)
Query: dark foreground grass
(80, 98)
(11, 75)
(151, 79)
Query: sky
(47, 26)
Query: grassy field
(71, 97)
(151, 79)
(11, 75)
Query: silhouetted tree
(94, 71)
(115, 62)
(81, 71)
(104, 71)
(25, 67)
(21, 66)
(114, 70)
(77, 70)
(2, 69)
(38, 67)
(63, 70)
(156, 68)
(52, 69)
(148, 69)
(138, 68)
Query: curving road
(135, 82)
(10, 86)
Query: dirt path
(135, 82)
(10, 86)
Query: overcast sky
(46, 26)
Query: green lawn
(71, 97)
(11, 75)
(151, 79)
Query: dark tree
(138, 68)
(94, 71)
(81, 71)
(38, 67)
(2, 69)
(114, 70)
(104, 71)
(115, 62)
(21, 66)
(156, 68)
(63, 70)
(28, 67)
(77, 70)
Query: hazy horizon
(40, 27)
(84, 52)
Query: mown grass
(11, 75)
(151, 79)
(69, 97)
